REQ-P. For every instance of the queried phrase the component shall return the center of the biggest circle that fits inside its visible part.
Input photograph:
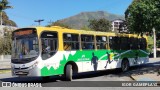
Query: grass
(4, 71)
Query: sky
(25, 12)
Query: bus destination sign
(26, 32)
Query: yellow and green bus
(49, 51)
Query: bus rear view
(25, 51)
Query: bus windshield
(24, 46)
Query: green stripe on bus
(86, 55)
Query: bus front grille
(20, 68)
(21, 73)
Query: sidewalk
(151, 60)
(148, 74)
(146, 77)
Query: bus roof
(66, 30)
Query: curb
(5, 69)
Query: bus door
(49, 43)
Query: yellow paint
(62, 30)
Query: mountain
(7, 21)
(80, 20)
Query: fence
(5, 57)
(5, 62)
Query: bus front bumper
(26, 72)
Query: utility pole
(155, 49)
(39, 21)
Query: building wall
(116, 23)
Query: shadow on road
(57, 78)
(137, 70)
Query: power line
(20, 16)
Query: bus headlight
(34, 65)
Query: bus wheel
(68, 72)
(125, 65)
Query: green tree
(3, 6)
(86, 28)
(5, 42)
(143, 15)
(58, 24)
(100, 25)
(6, 20)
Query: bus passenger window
(114, 43)
(133, 43)
(124, 43)
(101, 42)
(70, 41)
(87, 42)
(142, 43)
(111, 42)
(49, 41)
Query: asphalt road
(109, 75)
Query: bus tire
(125, 65)
(68, 72)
